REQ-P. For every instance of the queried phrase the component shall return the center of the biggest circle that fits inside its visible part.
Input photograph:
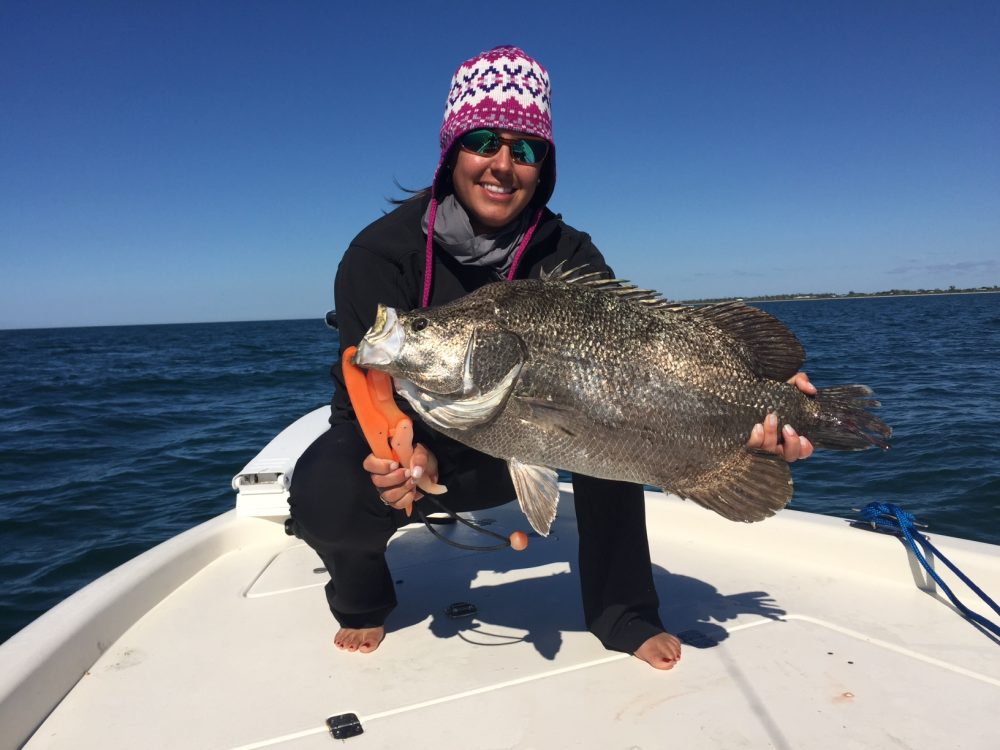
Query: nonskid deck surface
(801, 632)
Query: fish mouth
(383, 342)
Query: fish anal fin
(773, 351)
(751, 486)
(537, 489)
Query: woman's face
(493, 189)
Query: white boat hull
(803, 633)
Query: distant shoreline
(787, 298)
(823, 297)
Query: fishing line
(518, 540)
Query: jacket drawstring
(429, 250)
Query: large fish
(592, 375)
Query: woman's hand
(397, 485)
(792, 446)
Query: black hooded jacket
(385, 264)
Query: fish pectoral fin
(550, 415)
(750, 486)
(537, 489)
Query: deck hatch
(344, 726)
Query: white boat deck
(802, 632)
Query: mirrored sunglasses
(523, 150)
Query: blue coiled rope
(893, 519)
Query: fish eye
(418, 324)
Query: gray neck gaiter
(453, 232)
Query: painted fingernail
(787, 429)
(393, 466)
(772, 420)
(418, 471)
(758, 429)
(406, 473)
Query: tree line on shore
(834, 295)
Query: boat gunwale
(40, 664)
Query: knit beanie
(503, 89)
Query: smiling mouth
(496, 189)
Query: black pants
(338, 513)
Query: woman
(484, 218)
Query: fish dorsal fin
(772, 350)
(619, 287)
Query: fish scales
(631, 381)
(595, 377)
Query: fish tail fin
(749, 486)
(844, 422)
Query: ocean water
(115, 439)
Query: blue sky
(193, 161)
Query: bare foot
(662, 651)
(364, 640)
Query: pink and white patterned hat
(504, 89)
